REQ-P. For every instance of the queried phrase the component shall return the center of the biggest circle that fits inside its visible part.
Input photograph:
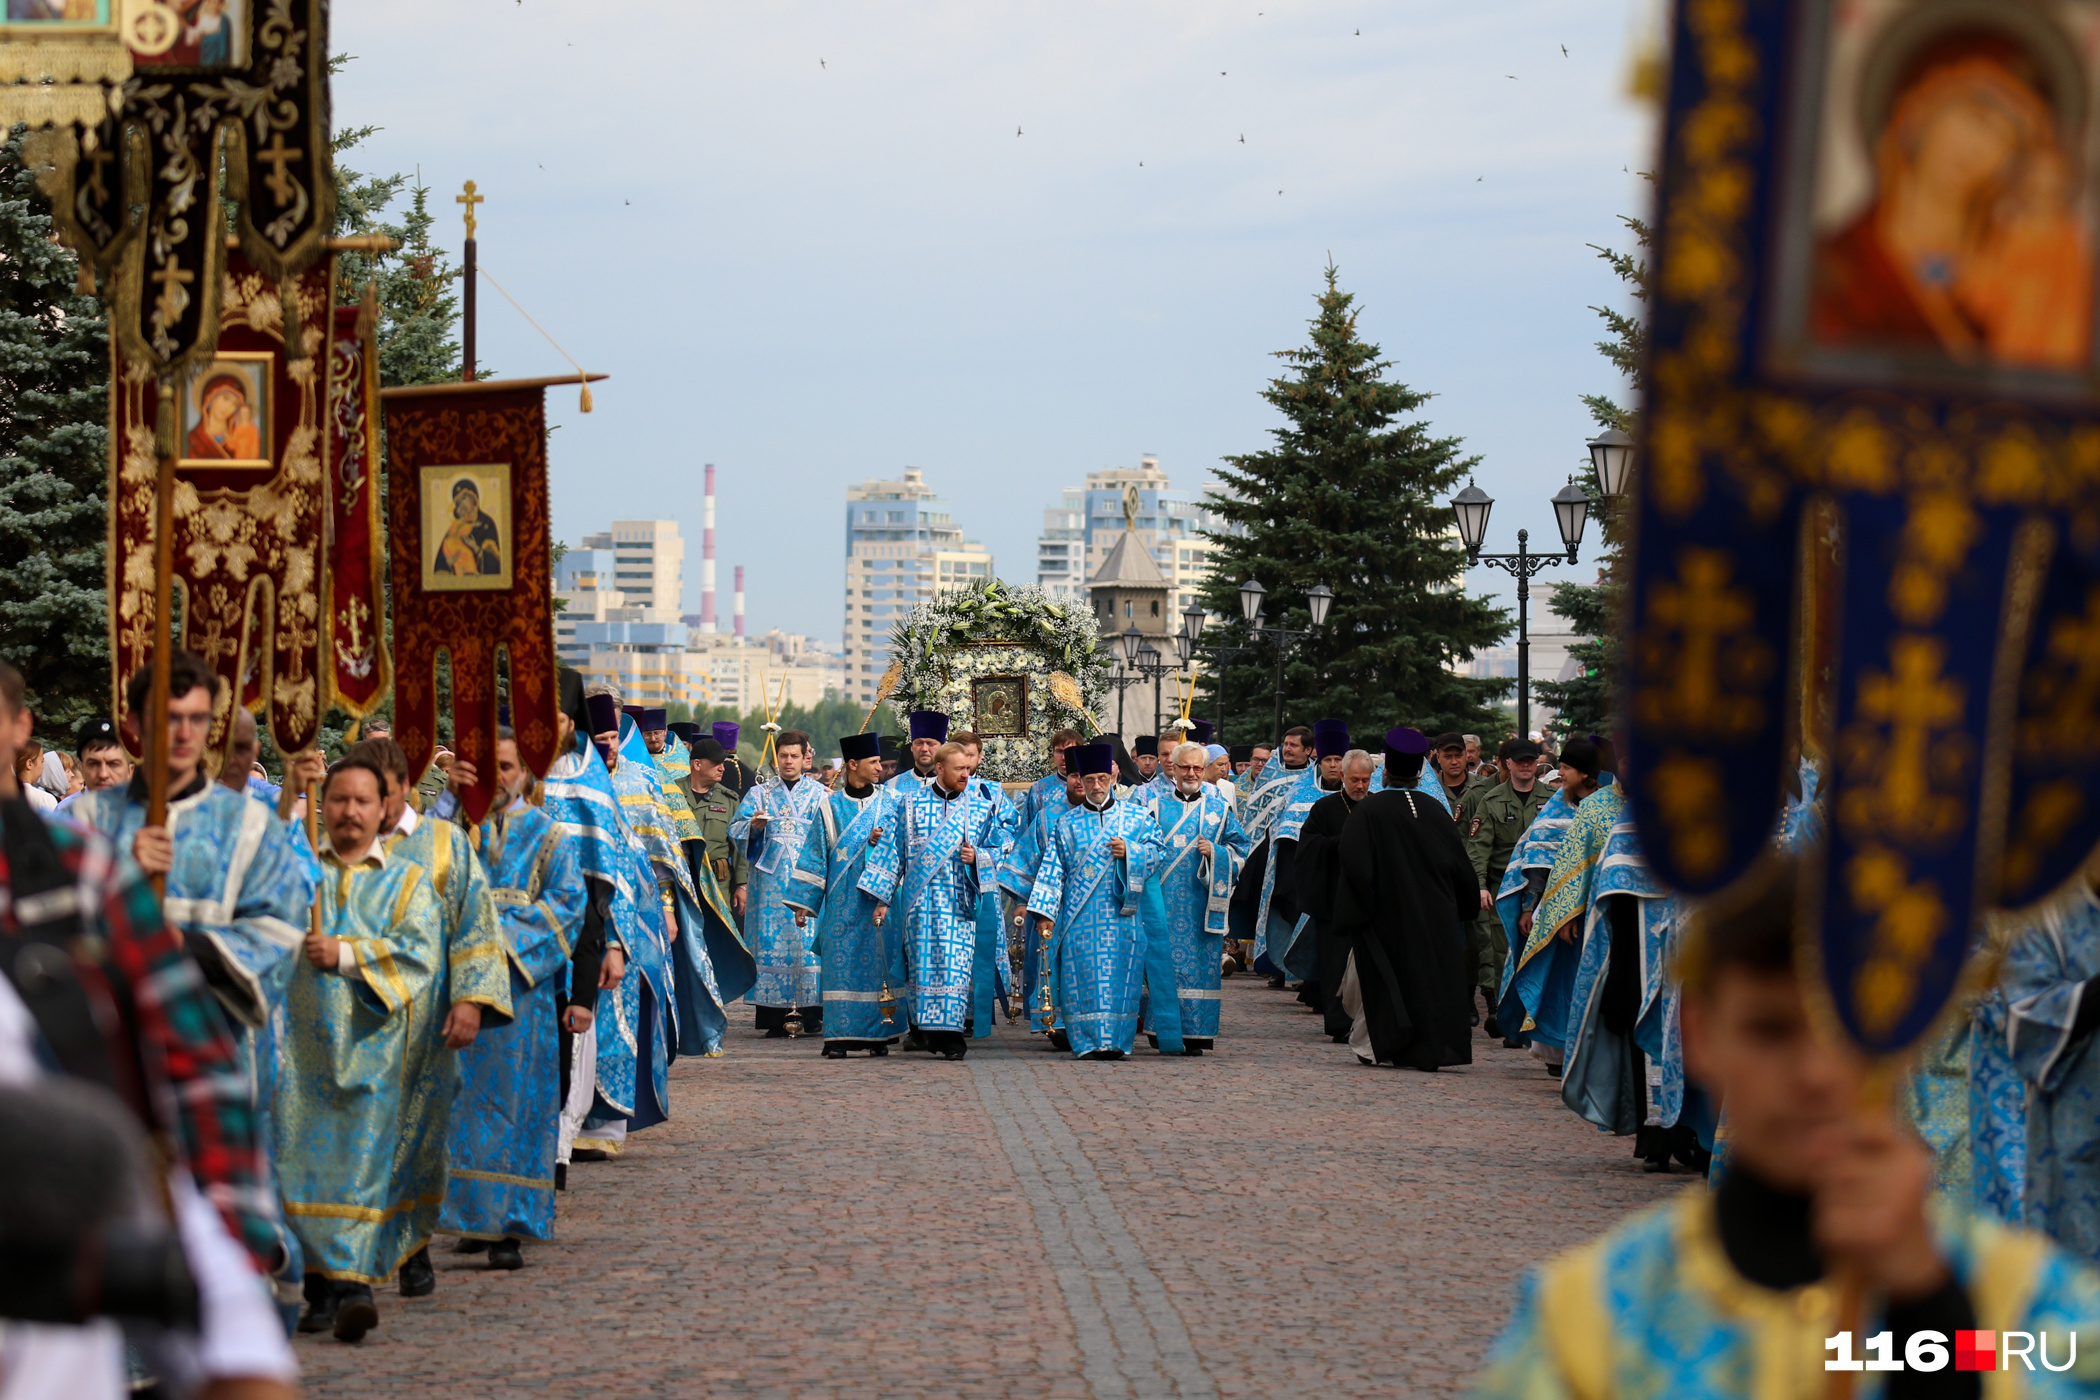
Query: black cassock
(1319, 866)
(1404, 893)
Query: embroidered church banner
(1819, 352)
(358, 666)
(469, 563)
(249, 508)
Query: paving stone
(1269, 1219)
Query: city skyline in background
(841, 259)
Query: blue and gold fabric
(770, 824)
(2046, 979)
(916, 870)
(367, 1085)
(863, 977)
(1093, 898)
(1917, 490)
(501, 1147)
(1655, 1308)
(1194, 891)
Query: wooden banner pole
(153, 725)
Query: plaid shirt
(171, 1035)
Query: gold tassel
(586, 395)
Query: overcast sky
(808, 245)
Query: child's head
(1788, 1088)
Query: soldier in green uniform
(1493, 819)
(714, 803)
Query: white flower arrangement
(996, 629)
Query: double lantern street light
(1318, 599)
(1611, 453)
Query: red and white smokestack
(707, 553)
(740, 601)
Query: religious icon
(1942, 226)
(466, 528)
(226, 411)
(1001, 704)
(59, 14)
(211, 34)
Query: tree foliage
(1583, 704)
(54, 463)
(1354, 494)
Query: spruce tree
(1583, 704)
(54, 463)
(1354, 494)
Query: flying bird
(1563, 50)
(1243, 138)
(822, 64)
(1511, 76)
(1017, 131)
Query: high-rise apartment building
(902, 547)
(1086, 523)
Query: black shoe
(1510, 1042)
(467, 1246)
(1276, 983)
(1493, 1027)
(505, 1254)
(1191, 1049)
(915, 1039)
(1060, 1042)
(956, 1052)
(355, 1313)
(561, 1176)
(321, 1303)
(1476, 1015)
(777, 1033)
(418, 1278)
(589, 1154)
(1102, 1055)
(834, 1052)
(878, 1051)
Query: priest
(771, 823)
(368, 1080)
(1319, 859)
(503, 1140)
(1403, 896)
(1016, 877)
(924, 869)
(1276, 920)
(1087, 894)
(1204, 847)
(861, 964)
(929, 730)
(1545, 979)
(736, 776)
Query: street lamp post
(1318, 599)
(1571, 507)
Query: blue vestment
(788, 972)
(1997, 1113)
(1097, 946)
(915, 870)
(1193, 891)
(1016, 876)
(367, 1084)
(504, 1125)
(2045, 981)
(863, 977)
(1544, 980)
(1285, 806)
(1655, 1308)
(578, 794)
(1600, 1082)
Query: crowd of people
(362, 1027)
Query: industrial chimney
(740, 602)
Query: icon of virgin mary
(472, 545)
(1973, 245)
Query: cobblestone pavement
(1271, 1219)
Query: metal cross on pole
(466, 321)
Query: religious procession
(435, 961)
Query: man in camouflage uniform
(1493, 819)
(714, 802)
